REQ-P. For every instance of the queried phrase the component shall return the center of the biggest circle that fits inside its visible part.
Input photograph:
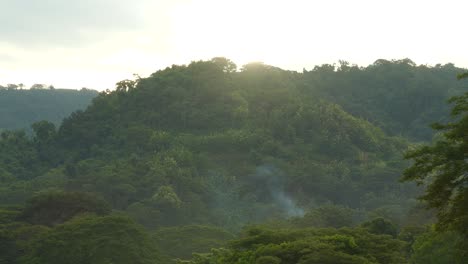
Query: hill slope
(203, 143)
(399, 96)
(20, 108)
(196, 152)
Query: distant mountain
(20, 108)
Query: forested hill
(19, 109)
(196, 152)
(399, 96)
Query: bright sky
(95, 43)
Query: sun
(243, 31)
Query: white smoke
(273, 181)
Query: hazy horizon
(94, 44)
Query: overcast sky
(95, 43)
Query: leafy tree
(18, 156)
(381, 226)
(268, 260)
(398, 95)
(260, 245)
(182, 242)
(462, 75)
(166, 197)
(125, 85)
(12, 87)
(95, 240)
(9, 250)
(56, 207)
(443, 168)
(437, 248)
(38, 86)
(44, 131)
(227, 65)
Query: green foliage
(326, 216)
(184, 146)
(183, 124)
(92, 239)
(82, 232)
(14, 237)
(18, 156)
(8, 215)
(9, 249)
(462, 75)
(166, 197)
(381, 226)
(268, 260)
(397, 95)
(182, 242)
(44, 131)
(437, 248)
(442, 167)
(201, 145)
(55, 207)
(259, 245)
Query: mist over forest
(211, 162)
(19, 108)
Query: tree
(38, 86)
(443, 168)
(306, 246)
(182, 242)
(381, 226)
(12, 86)
(463, 75)
(44, 131)
(437, 248)
(94, 240)
(125, 85)
(226, 64)
(56, 207)
(166, 197)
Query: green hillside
(196, 152)
(399, 96)
(21, 108)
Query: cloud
(4, 58)
(66, 22)
(107, 40)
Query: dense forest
(19, 108)
(207, 163)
